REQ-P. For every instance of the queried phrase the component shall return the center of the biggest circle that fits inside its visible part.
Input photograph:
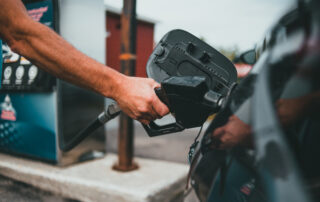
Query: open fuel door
(196, 80)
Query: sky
(222, 23)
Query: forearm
(51, 52)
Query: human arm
(234, 133)
(49, 51)
(290, 111)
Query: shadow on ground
(11, 190)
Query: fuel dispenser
(38, 111)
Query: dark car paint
(275, 170)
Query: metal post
(128, 62)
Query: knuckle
(163, 111)
(143, 121)
(145, 110)
(141, 109)
(161, 114)
(137, 115)
(150, 80)
(166, 111)
(223, 140)
(149, 100)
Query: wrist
(112, 89)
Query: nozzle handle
(154, 129)
(162, 95)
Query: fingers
(144, 121)
(217, 133)
(220, 138)
(150, 114)
(156, 85)
(147, 117)
(159, 107)
(156, 111)
(215, 143)
(226, 142)
(158, 116)
(215, 138)
(138, 99)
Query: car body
(282, 165)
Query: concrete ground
(11, 190)
(96, 181)
(172, 148)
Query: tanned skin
(46, 49)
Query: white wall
(82, 23)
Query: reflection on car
(280, 102)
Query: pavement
(173, 148)
(11, 190)
(154, 181)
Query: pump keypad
(8, 134)
(22, 75)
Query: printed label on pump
(7, 110)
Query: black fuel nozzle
(195, 80)
(214, 99)
(189, 99)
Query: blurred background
(231, 26)
(228, 24)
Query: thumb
(158, 105)
(156, 85)
(218, 132)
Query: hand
(136, 98)
(290, 111)
(233, 133)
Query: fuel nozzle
(111, 112)
(214, 99)
(189, 99)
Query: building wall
(145, 32)
(82, 24)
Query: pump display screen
(18, 73)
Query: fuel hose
(111, 112)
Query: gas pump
(38, 111)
